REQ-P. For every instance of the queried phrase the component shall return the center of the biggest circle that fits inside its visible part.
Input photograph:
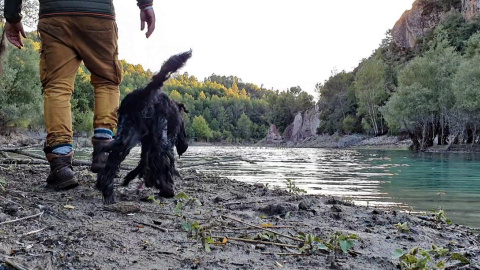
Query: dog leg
(120, 148)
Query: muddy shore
(42, 229)
(74, 230)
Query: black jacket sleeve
(12, 11)
(144, 3)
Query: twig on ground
(232, 203)
(40, 157)
(285, 254)
(254, 241)
(153, 226)
(8, 200)
(15, 265)
(11, 149)
(265, 229)
(22, 161)
(33, 232)
(272, 227)
(20, 219)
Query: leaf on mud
(207, 247)
(267, 225)
(397, 253)
(460, 257)
(182, 195)
(140, 226)
(346, 245)
(224, 241)
(322, 246)
(67, 206)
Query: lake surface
(422, 181)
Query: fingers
(22, 32)
(151, 27)
(147, 16)
(15, 40)
(13, 32)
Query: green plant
(198, 232)
(336, 243)
(3, 184)
(312, 243)
(403, 227)
(183, 200)
(423, 259)
(440, 217)
(292, 188)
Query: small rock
(3, 217)
(335, 209)
(218, 199)
(11, 209)
(261, 247)
(278, 209)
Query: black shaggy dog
(148, 116)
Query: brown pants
(66, 41)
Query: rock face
(424, 16)
(304, 126)
(415, 23)
(273, 135)
(470, 8)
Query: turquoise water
(422, 181)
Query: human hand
(13, 32)
(148, 16)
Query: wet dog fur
(148, 116)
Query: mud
(76, 231)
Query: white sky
(276, 43)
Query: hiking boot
(61, 175)
(99, 156)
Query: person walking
(72, 32)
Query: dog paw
(166, 193)
(108, 200)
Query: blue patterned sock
(102, 133)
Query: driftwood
(15, 265)
(265, 229)
(20, 219)
(254, 241)
(22, 161)
(39, 159)
(10, 149)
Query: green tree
(201, 129)
(370, 90)
(244, 127)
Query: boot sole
(64, 185)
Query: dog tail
(170, 66)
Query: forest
(430, 93)
(221, 108)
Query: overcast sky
(276, 43)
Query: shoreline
(354, 141)
(77, 231)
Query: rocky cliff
(425, 15)
(304, 126)
(470, 8)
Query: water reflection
(423, 181)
